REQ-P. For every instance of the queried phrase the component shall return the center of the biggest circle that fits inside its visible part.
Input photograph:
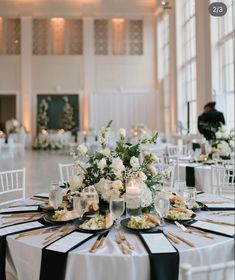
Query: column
(203, 54)
(88, 71)
(26, 72)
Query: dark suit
(209, 123)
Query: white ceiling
(77, 7)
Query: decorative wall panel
(13, 30)
(135, 37)
(74, 28)
(101, 36)
(57, 36)
(40, 36)
(118, 36)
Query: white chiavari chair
(223, 178)
(80, 137)
(12, 186)
(66, 171)
(221, 271)
(177, 150)
(167, 168)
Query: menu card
(228, 230)
(158, 243)
(20, 227)
(19, 209)
(69, 241)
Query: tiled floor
(41, 168)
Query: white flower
(105, 152)
(101, 163)
(232, 144)
(142, 176)
(82, 149)
(134, 162)
(75, 182)
(108, 189)
(122, 134)
(152, 169)
(117, 165)
(118, 185)
(224, 148)
(149, 157)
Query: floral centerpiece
(223, 143)
(110, 169)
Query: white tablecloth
(24, 256)
(202, 176)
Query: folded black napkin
(53, 263)
(219, 208)
(3, 246)
(192, 224)
(163, 265)
(190, 176)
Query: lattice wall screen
(118, 37)
(57, 36)
(10, 29)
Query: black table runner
(163, 266)
(53, 263)
(190, 176)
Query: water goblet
(117, 208)
(190, 197)
(55, 195)
(80, 205)
(179, 187)
(162, 206)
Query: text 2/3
(217, 9)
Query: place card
(220, 205)
(158, 243)
(69, 241)
(20, 227)
(43, 195)
(19, 209)
(228, 230)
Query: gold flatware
(201, 232)
(40, 199)
(191, 230)
(34, 233)
(182, 239)
(123, 238)
(95, 246)
(123, 249)
(26, 219)
(174, 240)
(18, 215)
(217, 222)
(67, 229)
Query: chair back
(12, 186)
(169, 170)
(221, 271)
(66, 171)
(223, 177)
(176, 150)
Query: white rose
(142, 176)
(122, 134)
(118, 185)
(75, 182)
(146, 195)
(82, 149)
(232, 144)
(105, 152)
(134, 162)
(152, 169)
(117, 164)
(101, 163)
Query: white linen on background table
(108, 263)
(202, 176)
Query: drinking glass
(55, 195)
(80, 205)
(162, 205)
(197, 153)
(190, 196)
(117, 208)
(179, 187)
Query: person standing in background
(210, 121)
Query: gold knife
(36, 232)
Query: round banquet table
(24, 255)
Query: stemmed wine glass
(162, 205)
(55, 195)
(117, 208)
(179, 187)
(190, 196)
(80, 205)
